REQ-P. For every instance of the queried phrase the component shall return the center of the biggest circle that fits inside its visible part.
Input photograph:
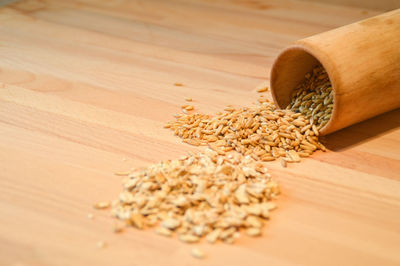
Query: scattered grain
(189, 238)
(263, 131)
(121, 173)
(293, 156)
(101, 205)
(136, 219)
(197, 253)
(187, 107)
(214, 235)
(224, 189)
(163, 231)
(199, 195)
(253, 231)
(262, 89)
(171, 223)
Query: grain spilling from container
(313, 98)
(261, 131)
(225, 190)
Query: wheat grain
(198, 195)
(102, 205)
(262, 131)
(314, 98)
(197, 253)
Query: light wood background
(84, 84)
(373, 4)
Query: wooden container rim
(290, 52)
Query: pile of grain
(200, 195)
(263, 132)
(224, 190)
(314, 97)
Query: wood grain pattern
(386, 5)
(84, 84)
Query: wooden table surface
(84, 84)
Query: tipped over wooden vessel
(363, 64)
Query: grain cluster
(261, 131)
(201, 195)
(225, 190)
(314, 97)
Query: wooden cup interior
(288, 71)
